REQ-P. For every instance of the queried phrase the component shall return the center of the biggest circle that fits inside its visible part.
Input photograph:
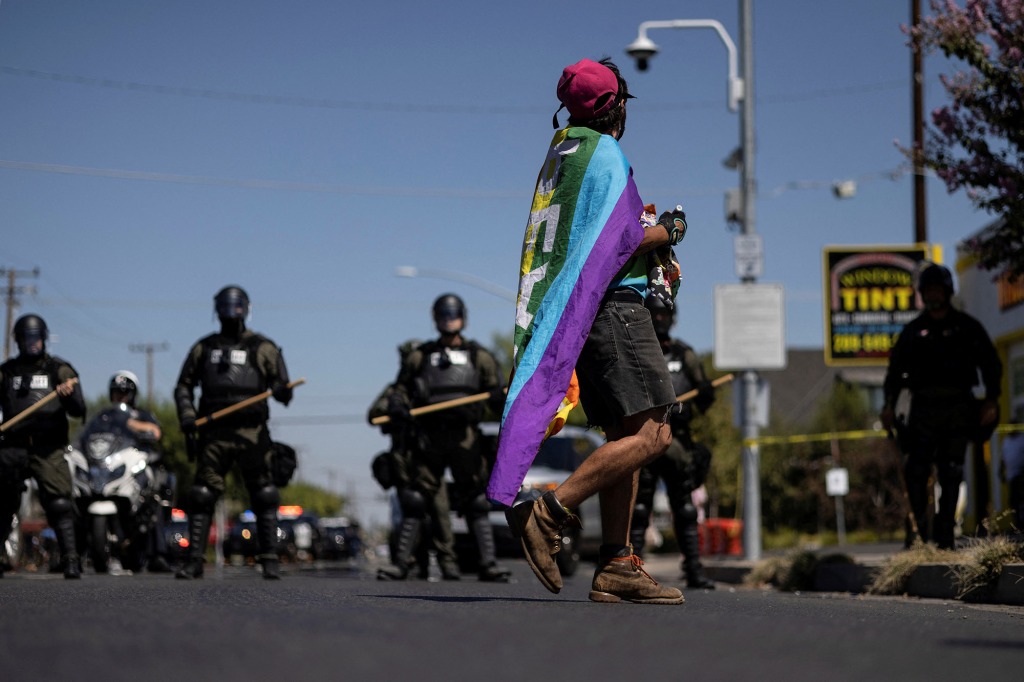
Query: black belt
(624, 296)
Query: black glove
(705, 396)
(188, 425)
(675, 223)
(496, 400)
(398, 408)
(283, 394)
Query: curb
(928, 581)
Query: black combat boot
(490, 571)
(408, 537)
(60, 515)
(266, 538)
(198, 534)
(689, 545)
(271, 567)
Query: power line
(447, 192)
(121, 174)
(407, 108)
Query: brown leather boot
(539, 525)
(624, 579)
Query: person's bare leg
(616, 499)
(643, 438)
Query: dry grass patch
(980, 564)
(894, 574)
(792, 573)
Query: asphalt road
(340, 623)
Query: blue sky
(153, 152)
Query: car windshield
(561, 454)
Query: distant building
(998, 303)
(796, 391)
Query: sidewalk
(932, 581)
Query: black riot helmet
(936, 274)
(126, 384)
(661, 315)
(932, 278)
(231, 303)
(447, 310)
(29, 329)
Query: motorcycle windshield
(106, 434)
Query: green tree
(716, 430)
(976, 142)
(313, 498)
(793, 475)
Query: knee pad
(413, 503)
(686, 513)
(478, 506)
(267, 497)
(641, 515)
(201, 500)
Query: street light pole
(741, 87)
(750, 454)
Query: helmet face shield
(449, 314)
(124, 385)
(662, 320)
(30, 333)
(231, 303)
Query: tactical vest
(229, 375)
(25, 384)
(675, 357)
(941, 356)
(448, 373)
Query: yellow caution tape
(848, 435)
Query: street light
(470, 280)
(741, 87)
(643, 49)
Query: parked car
(176, 532)
(559, 456)
(299, 534)
(341, 538)
(240, 544)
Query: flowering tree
(975, 142)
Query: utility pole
(917, 77)
(10, 292)
(148, 349)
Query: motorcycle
(118, 490)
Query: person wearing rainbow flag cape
(580, 316)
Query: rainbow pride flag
(584, 226)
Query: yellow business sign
(869, 294)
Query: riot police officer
(427, 519)
(35, 446)
(684, 466)
(447, 368)
(230, 366)
(937, 358)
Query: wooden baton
(31, 408)
(437, 407)
(689, 395)
(244, 403)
